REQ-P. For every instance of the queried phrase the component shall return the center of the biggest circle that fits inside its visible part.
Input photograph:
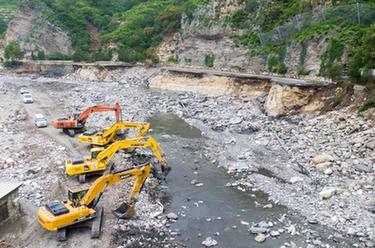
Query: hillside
(296, 37)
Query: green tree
(13, 51)
(3, 26)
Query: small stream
(214, 210)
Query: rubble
(296, 160)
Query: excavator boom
(109, 135)
(140, 142)
(102, 182)
(98, 163)
(76, 123)
(100, 108)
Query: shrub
(303, 71)
(174, 59)
(57, 56)
(12, 64)
(155, 59)
(41, 55)
(13, 51)
(209, 60)
(272, 62)
(281, 68)
(366, 105)
(336, 100)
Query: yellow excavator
(80, 209)
(103, 138)
(100, 158)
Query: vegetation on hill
(135, 26)
(7, 11)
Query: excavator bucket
(124, 211)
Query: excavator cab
(76, 115)
(75, 195)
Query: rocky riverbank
(322, 166)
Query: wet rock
(193, 182)
(260, 238)
(291, 229)
(267, 206)
(327, 193)
(245, 223)
(172, 216)
(274, 233)
(209, 242)
(256, 230)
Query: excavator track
(97, 223)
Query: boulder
(322, 158)
(260, 238)
(327, 193)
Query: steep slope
(34, 33)
(296, 37)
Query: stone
(327, 193)
(193, 182)
(267, 206)
(322, 158)
(209, 242)
(260, 238)
(9, 161)
(256, 230)
(362, 168)
(371, 145)
(172, 216)
(322, 166)
(274, 233)
(235, 120)
(358, 141)
(291, 229)
(328, 171)
(312, 221)
(245, 223)
(294, 180)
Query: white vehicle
(40, 121)
(27, 98)
(24, 90)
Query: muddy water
(211, 210)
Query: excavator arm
(106, 155)
(140, 172)
(100, 108)
(108, 136)
(142, 128)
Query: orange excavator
(75, 123)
